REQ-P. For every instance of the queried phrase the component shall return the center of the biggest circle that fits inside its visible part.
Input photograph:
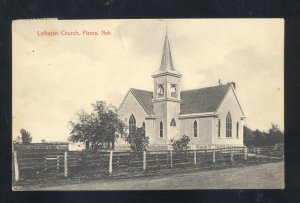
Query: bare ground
(263, 176)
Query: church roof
(193, 101)
(202, 100)
(145, 99)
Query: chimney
(233, 84)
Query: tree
(181, 144)
(275, 135)
(261, 138)
(98, 127)
(137, 140)
(25, 136)
(248, 136)
(258, 137)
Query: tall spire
(166, 60)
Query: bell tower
(166, 96)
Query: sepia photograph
(156, 104)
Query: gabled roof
(145, 99)
(203, 100)
(193, 101)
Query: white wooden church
(212, 117)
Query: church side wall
(132, 106)
(204, 131)
(231, 105)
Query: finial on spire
(166, 29)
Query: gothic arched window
(219, 128)
(132, 123)
(237, 129)
(161, 129)
(195, 129)
(228, 125)
(173, 123)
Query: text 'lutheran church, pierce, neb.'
(212, 117)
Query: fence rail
(29, 165)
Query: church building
(211, 117)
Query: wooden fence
(30, 165)
(40, 146)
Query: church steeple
(166, 65)
(166, 79)
(166, 60)
(166, 96)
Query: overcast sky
(54, 77)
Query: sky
(56, 76)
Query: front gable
(131, 105)
(131, 98)
(230, 103)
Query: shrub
(137, 140)
(181, 144)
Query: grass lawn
(262, 176)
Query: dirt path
(264, 176)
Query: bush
(137, 140)
(181, 144)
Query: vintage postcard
(148, 104)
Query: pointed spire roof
(166, 60)
(166, 65)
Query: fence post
(118, 161)
(167, 156)
(57, 165)
(17, 174)
(214, 156)
(66, 164)
(231, 154)
(258, 152)
(144, 160)
(246, 153)
(171, 158)
(110, 162)
(45, 162)
(195, 157)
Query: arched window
(144, 126)
(173, 90)
(160, 90)
(219, 128)
(173, 123)
(228, 125)
(132, 123)
(161, 129)
(237, 129)
(195, 129)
